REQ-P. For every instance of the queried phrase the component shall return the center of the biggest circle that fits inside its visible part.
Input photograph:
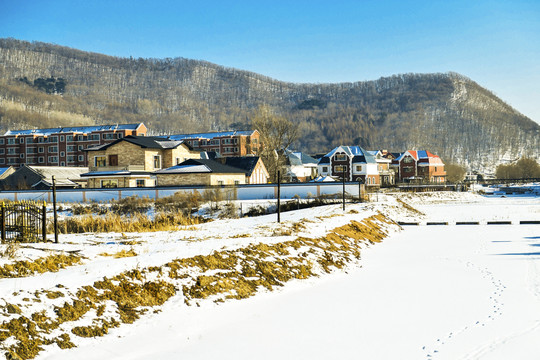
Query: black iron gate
(23, 221)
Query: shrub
(181, 201)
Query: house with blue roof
(352, 162)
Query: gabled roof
(246, 163)
(211, 135)
(59, 172)
(75, 129)
(297, 158)
(418, 155)
(191, 166)
(358, 154)
(145, 142)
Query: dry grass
(410, 208)
(121, 254)
(50, 263)
(225, 274)
(117, 223)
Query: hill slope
(49, 85)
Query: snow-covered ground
(425, 292)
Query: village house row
(111, 156)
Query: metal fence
(23, 221)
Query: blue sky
(495, 43)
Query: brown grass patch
(51, 263)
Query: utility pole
(278, 196)
(343, 187)
(54, 210)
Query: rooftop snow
(76, 129)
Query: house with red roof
(420, 166)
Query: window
(110, 183)
(69, 137)
(120, 135)
(53, 139)
(62, 164)
(340, 157)
(31, 150)
(41, 139)
(30, 160)
(52, 159)
(29, 140)
(80, 147)
(100, 161)
(2, 161)
(325, 169)
(338, 169)
(12, 160)
(220, 182)
(41, 149)
(81, 157)
(1, 141)
(94, 137)
(157, 162)
(140, 183)
(70, 158)
(408, 169)
(113, 160)
(53, 149)
(21, 156)
(2, 151)
(21, 141)
(358, 167)
(408, 160)
(61, 138)
(12, 151)
(108, 136)
(236, 182)
(11, 141)
(41, 159)
(71, 148)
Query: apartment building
(62, 146)
(225, 143)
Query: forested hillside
(44, 85)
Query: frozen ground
(426, 292)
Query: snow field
(428, 292)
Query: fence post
(3, 214)
(44, 221)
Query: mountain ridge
(447, 113)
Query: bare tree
(277, 134)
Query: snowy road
(438, 292)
